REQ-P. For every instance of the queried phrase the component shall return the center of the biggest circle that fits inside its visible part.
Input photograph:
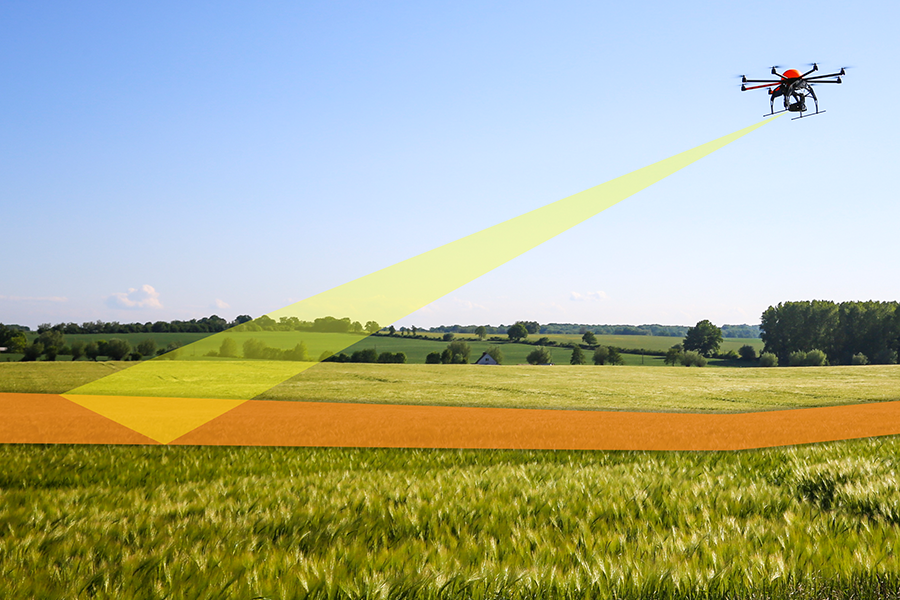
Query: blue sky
(167, 161)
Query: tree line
(728, 331)
(211, 324)
(846, 332)
(322, 325)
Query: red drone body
(795, 87)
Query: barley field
(677, 389)
(818, 521)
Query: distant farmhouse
(486, 359)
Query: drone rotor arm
(822, 76)
(756, 87)
(815, 68)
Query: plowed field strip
(51, 419)
(47, 418)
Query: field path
(48, 418)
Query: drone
(794, 87)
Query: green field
(561, 386)
(108, 522)
(415, 349)
(515, 351)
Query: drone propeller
(814, 66)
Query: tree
(747, 352)
(392, 357)
(446, 356)
(53, 341)
(692, 358)
(589, 338)
(767, 359)
(77, 349)
(17, 342)
(578, 357)
(372, 327)
(267, 323)
(12, 339)
(885, 357)
(517, 332)
(148, 347)
(601, 355)
(253, 348)
(33, 351)
(433, 358)
(704, 337)
(815, 358)
(117, 349)
(299, 353)
(173, 349)
(92, 351)
(369, 355)
(859, 359)
(449, 337)
(459, 352)
(228, 348)
(481, 332)
(674, 355)
(530, 326)
(50, 352)
(539, 356)
(495, 353)
(802, 326)
(797, 358)
(614, 357)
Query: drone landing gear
(800, 116)
(818, 112)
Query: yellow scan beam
(384, 296)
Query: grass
(592, 387)
(53, 377)
(561, 387)
(108, 522)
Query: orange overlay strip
(48, 418)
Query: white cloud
(589, 296)
(135, 298)
(220, 304)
